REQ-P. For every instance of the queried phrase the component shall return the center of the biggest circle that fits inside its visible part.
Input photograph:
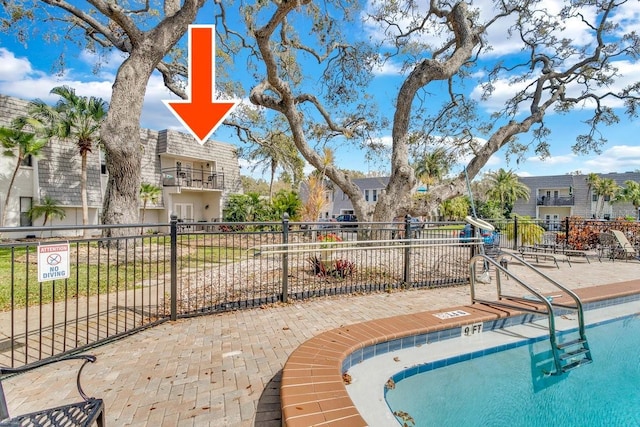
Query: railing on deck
(193, 178)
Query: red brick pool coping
(312, 392)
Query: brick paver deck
(225, 369)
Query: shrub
(335, 268)
(529, 233)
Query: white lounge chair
(624, 248)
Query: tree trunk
(121, 138)
(86, 233)
(144, 209)
(120, 131)
(6, 200)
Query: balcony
(192, 179)
(555, 201)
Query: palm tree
(148, 193)
(505, 188)
(278, 151)
(286, 201)
(631, 193)
(592, 182)
(78, 118)
(455, 209)
(245, 208)
(19, 144)
(49, 208)
(433, 166)
(605, 188)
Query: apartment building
(558, 196)
(339, 203)
(195, 179)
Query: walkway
(224, 370)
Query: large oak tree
(313, 65)
(146, 36)
(567, 55)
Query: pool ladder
(570, 350)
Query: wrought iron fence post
(285, 257)
(515, 233)
(566, 229)
(407, 249)
(173, 267)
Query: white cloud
(110, 61)
(497, 35)
(19, 79)
(387, 68)
(12, 68)
(629, 17)
(504, 90)
(553, 160)
(619, 158)
(494, 161)
(503, 44)
(155, 114)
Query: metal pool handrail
(549, 305)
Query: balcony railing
(193, 179)
(555, 201)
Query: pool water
(508, 388)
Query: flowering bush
(326, 245)
(329, 237)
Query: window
(594, 197)
(25, 207)
(375, 195)
(366, 195)
(607, 198)
(103, 163)
(27, 161)
(184, 211)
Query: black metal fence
(154, 273)
(118, 285)
(571, 233)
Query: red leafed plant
(339, 268)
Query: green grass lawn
(88, 277)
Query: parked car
(415, 224)
(326, 223)
(347, 220)
(466, 234)
(415, 227)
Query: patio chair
(85, 413)
(492, 245)
(607, 245)
(624, 248)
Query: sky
(26, 71)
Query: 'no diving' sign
(53, 262)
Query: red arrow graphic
(200, 113)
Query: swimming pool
(507, 387)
